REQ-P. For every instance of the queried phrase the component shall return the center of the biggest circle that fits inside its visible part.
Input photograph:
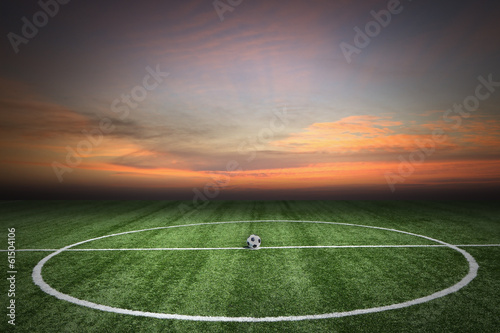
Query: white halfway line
(263, 247)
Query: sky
(239, 99)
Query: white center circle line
(38, 280)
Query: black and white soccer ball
(253, 241)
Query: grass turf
(268, 282)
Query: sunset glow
(166, 96)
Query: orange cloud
(358, 134)
(364, 174)
(349, 135)
(478, 133)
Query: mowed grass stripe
(64, 224)
(131, 280)
(287, 287)
(355, 279)
(214, 290)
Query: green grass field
(303, 269)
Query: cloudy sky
(249, 99)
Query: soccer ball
(253, 241)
